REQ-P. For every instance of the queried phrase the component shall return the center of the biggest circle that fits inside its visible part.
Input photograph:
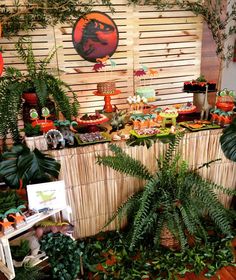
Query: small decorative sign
(46, 195)
(95, 36)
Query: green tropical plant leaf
(31, 167)
(228, 141)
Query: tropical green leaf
(228, 141)
(31, 167)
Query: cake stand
(107, 98)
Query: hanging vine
(31, 13)
(27, 15)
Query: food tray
(80, 142)
(204, 126)
(163, 132)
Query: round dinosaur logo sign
(95, 35)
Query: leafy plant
(20, 251)
(107, 256)
(29, 272)
(30, 14)
(174, 198)
(44, 83)
(31, 131)
(227, 141)
(10, 103)
(9, 199)
(37, 78)
(64, 255)
(31, 167)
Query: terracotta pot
(30, 97)
(45, 126)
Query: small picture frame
(49, 195)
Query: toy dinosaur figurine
(47, 226)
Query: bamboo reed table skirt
(94, 192)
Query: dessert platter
(147, 132)
(92, 138)
(199, 85)
(186, 108)
(198, 125)
(91, 121)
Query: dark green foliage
(124, 163)
(31, 131)
(44, 83)
(174, 196)
(64, 255)
(106, 256)
(31, 167)
(28, 15)
(37, 79)
(29, 272)
(9, 199)
(10, 103)
(20, 251)
(228, 141)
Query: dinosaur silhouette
(93, 31)
(45, 196)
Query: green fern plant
(39, 79)
(174, 197)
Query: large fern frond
(124, 163)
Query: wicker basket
(168, 240)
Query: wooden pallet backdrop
(169, 41)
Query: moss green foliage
(20, 251)
(10, 103)
(37, 78)
(29, 272)
(20, 163)
(27, 15)
(31, 131)
(174, 196)
(9, 199)
(106, 256)
(228, 141)
(213, 12)
(64, 255)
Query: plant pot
(45, 125)
(168, 240)
(38, 142)
(1, 62)
(30, 97)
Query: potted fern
(173, 203)
(36, 80)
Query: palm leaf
(228, 141)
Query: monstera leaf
(228, 141)
(31, 167)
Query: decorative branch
(24, 16)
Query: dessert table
(94, 192)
